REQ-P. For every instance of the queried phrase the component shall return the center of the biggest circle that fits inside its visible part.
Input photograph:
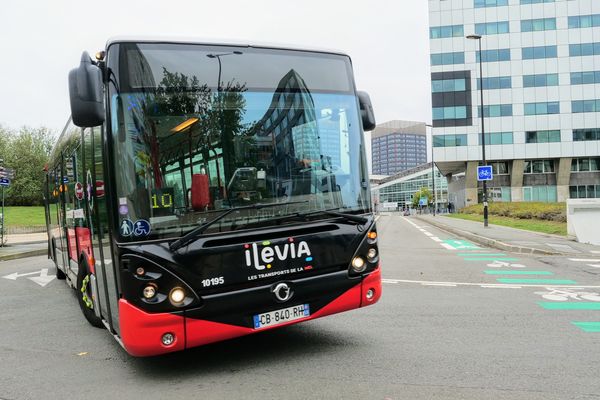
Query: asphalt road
(449, 326)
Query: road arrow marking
(43, 279)
(17, 275)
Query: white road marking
(485, 284)
(43, 279)
(595, 251)
(439, 284)
(446, 245)
(594, 265)
(591, 260)
(428, 234)
(436, 239)
(501, 287)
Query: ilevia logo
(262, 257)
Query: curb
(23, 254)
(490, 242)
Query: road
(455, 322)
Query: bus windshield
(199, 130)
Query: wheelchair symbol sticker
(141, 228)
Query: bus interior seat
(200, 192)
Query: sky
(40, 41)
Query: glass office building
(541, 97)
(397, 146)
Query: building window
(538, 167)
(438, 32)
(449, 140)
(542, 108)
(499, 194)
(489, 3)
(580, 135)
(496, 110)
(540, 80)
(440, 113)
(494, 55)
(584, 191)
(585, 78)
(531, 53)
(497, 138)
(583, 106)
(499, 167)
(448, 85)
(585, 165)
(496, 82)
(492, 28)
(542, 24)
(584, 49)
(584, 21)
(540, 193)
(448, 58)
(542, 136)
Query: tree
(26, 152)
(423, 192)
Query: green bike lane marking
(461, 245)
(582, 305)
(538, 281)
(588, 326)
(515, 272)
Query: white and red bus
(204, 191)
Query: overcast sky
(40, 41)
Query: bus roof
(219, 42)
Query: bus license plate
(280, 316)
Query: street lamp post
(432, 169)
(225, 142)
(485, 202)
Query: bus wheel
(59, 274)
(84, 295)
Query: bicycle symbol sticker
(141, 228)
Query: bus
(202, 191)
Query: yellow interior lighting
(184, 125)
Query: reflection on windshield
(186, 151)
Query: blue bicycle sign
(484, 173)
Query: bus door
(56, 214)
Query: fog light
(177, 296)
(168, 339)
(372, 254)
(149, 292)
(372, 237)
(358, 264)
(370, 294)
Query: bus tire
(59, 274)
(84, 295)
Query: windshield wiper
(330, 211)
(196, 232)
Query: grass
(536, 225)
(523, 210)
(24, 216)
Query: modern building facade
(541, 85)
(401, 187)
(397, 146)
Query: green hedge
(524, 210)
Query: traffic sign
(423, 201)
(79, 191)
(4, 182)
(484, 173)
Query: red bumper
(141, 332)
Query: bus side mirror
(85, 92)
(366, 111)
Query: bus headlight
(149, 292)
(177, 296)
(358, 264)
(372, 254)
